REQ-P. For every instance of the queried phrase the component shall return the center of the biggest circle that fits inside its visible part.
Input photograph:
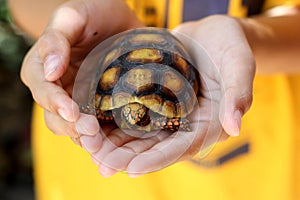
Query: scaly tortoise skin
(146, 82)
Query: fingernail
(62, 113)
(238, 121)
(106, 172)
(51, 64)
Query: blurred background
(16, 181)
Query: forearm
(275, 42)
(32, 16)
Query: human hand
(51, 65)
(229, 82)
(226, 64)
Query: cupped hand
(50, 67)
(224, 59)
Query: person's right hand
(51, 65)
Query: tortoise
(146, 82)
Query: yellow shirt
(262, 163)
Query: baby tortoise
(146, 83)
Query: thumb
(54, 51)
(54, 46)
(237, 94)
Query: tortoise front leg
(102, 116)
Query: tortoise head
(135, 114)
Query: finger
(106, 171)
(55, 99)
(87, 125)
(207, 127)
(60, 126)
(162, 154)
(113, 140)
(91, 143)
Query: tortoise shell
(147, 81)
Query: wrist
(275, 42)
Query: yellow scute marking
(145, 55)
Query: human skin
(49, 70)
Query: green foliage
(15, 107)
(4, 13)
(12, 46)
